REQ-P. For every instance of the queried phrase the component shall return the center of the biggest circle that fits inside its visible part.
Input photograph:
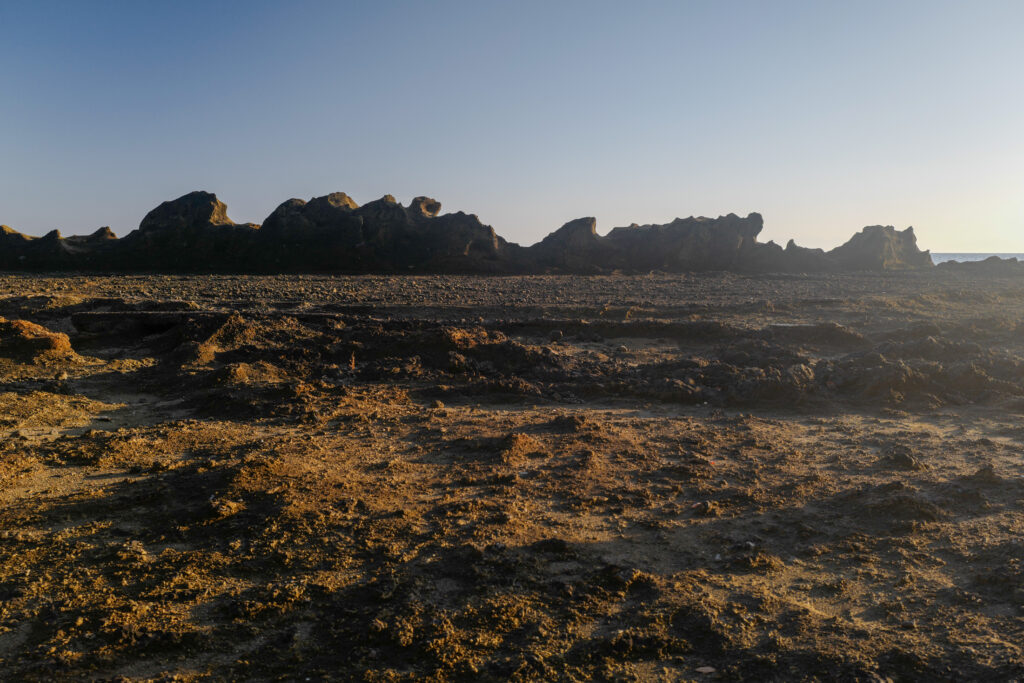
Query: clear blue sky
(823, 115)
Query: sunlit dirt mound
(24, 340)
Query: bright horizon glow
(823, 117)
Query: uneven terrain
(664, 477)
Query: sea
(980, 256)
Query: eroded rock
(333, 233)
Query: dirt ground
(707, 477)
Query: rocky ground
(711, 477)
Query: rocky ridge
(335, 234)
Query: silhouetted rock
(685, 244)
(11, 239)
(803, 258)
(879, 247)
(193, 210)
(319, 212)
(190, 234)
(317, 235)
(457, 242)
(12, 248)
(724, 243)
(333, 233)
(574, 247)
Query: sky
(824, 116)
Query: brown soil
(706, 477)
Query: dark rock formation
(724, 243)
(192, 233)
(13, 247)
(802, 258)
(335, 234)
(993, 265)
(296, 216)
(685, 244)
(196, 210)
(879, 247)
(574, 247)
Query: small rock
(902, 458)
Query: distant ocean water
(981, 256)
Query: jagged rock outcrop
(880, 247)
(296, 217)
(195, 210)
(803, 259)
(724, 243)
(189, 234)
(333, 233)
(685, 244)
(49, 252)
(320, 233)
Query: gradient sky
(825, 116)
